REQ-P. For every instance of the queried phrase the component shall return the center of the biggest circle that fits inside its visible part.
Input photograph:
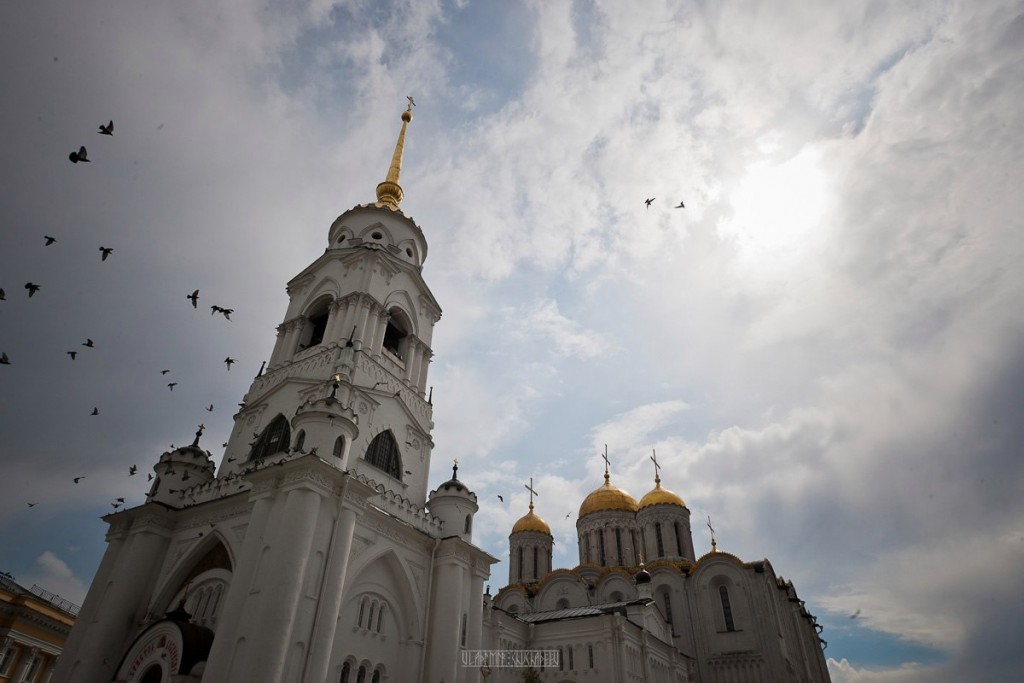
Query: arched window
(618, 544)
(346, 671)
(521, 568)
(561, 660)
(469, 524)
(679, 539)
(668, 607)
(384, 455)
(661, 542)
(600, 541)
(300, 441)
(563, 603)
(339, 446)
(590, 656)
(396, 333)
(274, 439)
(723, 593)
(569, 652)
(362, 610)
(361, 676)
(462, 631)
(373, 609)
(536, 551)
(380, 619)
(315, 325)
(376, 677)
(616, 596)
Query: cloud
(58, 578)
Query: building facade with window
(316, 550)
(34, 625)
(641, 606)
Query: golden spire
(390, 192)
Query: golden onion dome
(660, 496)
(531, 522)
(607, 497)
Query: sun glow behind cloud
(779, 209)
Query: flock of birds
(82, 156)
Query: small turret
(454, 504)
(178, 470)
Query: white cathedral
(315, 553)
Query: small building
(34, 624)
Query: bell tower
(347, 378)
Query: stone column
(283, 589)
(291, 339)
(322, 642)
(446, 616)
(220, 653)
(379, 320)
(475, 626)
(421, 379)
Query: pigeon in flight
(72, 354)
(78, 479)
(32, 288)
(88, 342)
(194, 297)
(133, 470)
(209, 408)
(107, 129)
(116, 505)
(119, 500)
(228, 361)
(171, 385)
(150, 478)
(49, 240)
(501, 498)
(4, 360)
(3, 295)
(227, 312)
(164, 372)
(681, 205)
(649, 201)
(80, 155)
(95, 411)
(107, 251)
(31, 505)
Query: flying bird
(88, 342)
(209, 408)
(49, 240)
(72, 354)
(228, 361)
(215, 309)
(194, 297)
(150, 478)
(107, 251)
(32, 288)
(107, 129)
(80, 155)
(78, 479)
(227, 312)
(164, 372)
(95, 411)
(31, 505)
(4, 360)
(649, 201)
(501, 498)
(3, 295)
(119, 500)
(681, 205)
(133, 470)
(116, 505)
(171, 385)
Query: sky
(825, 347)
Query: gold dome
(531, 522)
(607, 497)
(660, 496)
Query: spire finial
(390, 192)
(607, 462)
(714, 544)
(529, 487)
(455, 469)
(657, 477)
(199, 434)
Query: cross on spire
(455, 469)
(199, 434)
(654, 459)
(529, 487)
(607, 462)
(714, 544)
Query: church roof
(577, 612)
(660, 496)
(531, 522)
(607, 497)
